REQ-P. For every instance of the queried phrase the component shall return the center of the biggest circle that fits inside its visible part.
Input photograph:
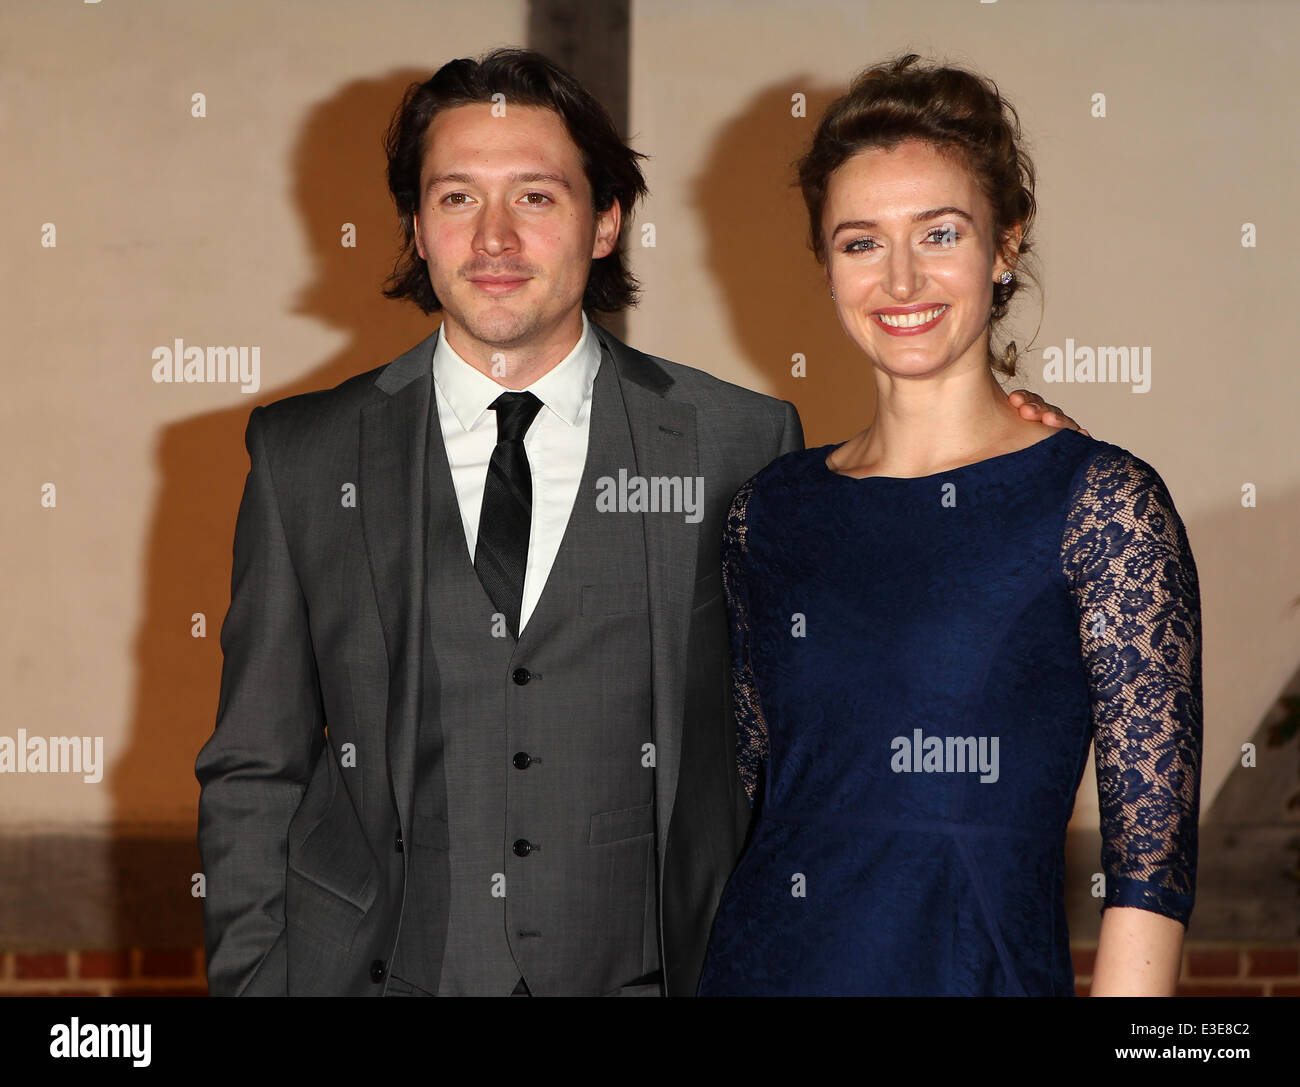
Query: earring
(1006, 277)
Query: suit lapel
(664, 444)
(391, 493)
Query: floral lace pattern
(1125, 554)
(751, 728)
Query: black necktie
(501, 552)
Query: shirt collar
(563, 388)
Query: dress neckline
(826, 451)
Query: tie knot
(515, 414)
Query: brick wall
(138, 972)
(1209, 969)
(1218, 969)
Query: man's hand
(1032, 406)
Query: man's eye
(455, 198)
(541, 198)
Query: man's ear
(419, 243)
(608, 223)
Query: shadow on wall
(756, 229)
(338, 172)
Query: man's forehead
(476, 130)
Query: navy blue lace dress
(919, 668)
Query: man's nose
(495, 232)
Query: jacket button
(522, 760)
(377, 971)
(397, 845)
(521, 676)
(523, 847)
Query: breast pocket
(621, 824)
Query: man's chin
(503, 329)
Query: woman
(934, 619)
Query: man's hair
(525, 78)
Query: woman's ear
(1009, 252)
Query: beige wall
(1139, 234)
(225, 230)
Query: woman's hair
(525, 78)
(955, 111)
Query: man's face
(506, 225)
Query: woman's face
(911, 258)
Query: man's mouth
(908, 323)
(498, 284)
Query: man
(474, 734)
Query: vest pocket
(621, 824)
(613, 599)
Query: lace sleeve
(1125, 553)
(751, 729)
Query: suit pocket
(430, 832)
(621, 824)
(319, 912)
(327, 846)
(613, 599)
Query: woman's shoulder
(1105, 471)
(795, 465)
(1119, 506)
(782, 481)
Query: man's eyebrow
(919, 217)
(527, 178)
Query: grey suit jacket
(305, 877)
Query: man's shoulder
(325, 410)
(700, 386)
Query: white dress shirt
(556, 444)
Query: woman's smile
(910, 321)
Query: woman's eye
(860, 246)
(944, 235)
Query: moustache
(522, 271)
